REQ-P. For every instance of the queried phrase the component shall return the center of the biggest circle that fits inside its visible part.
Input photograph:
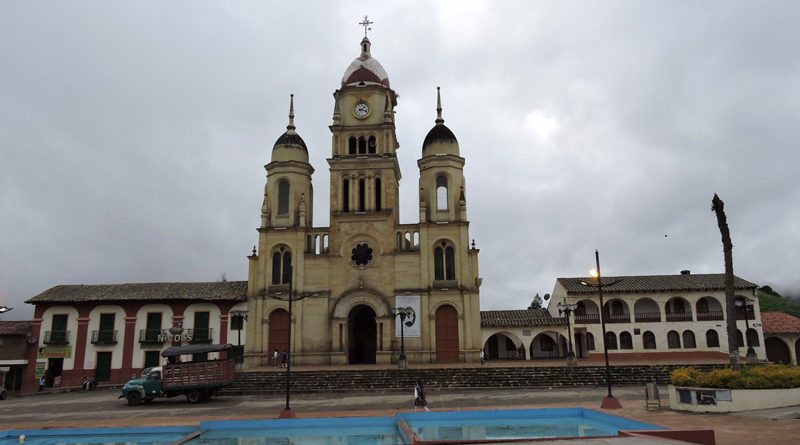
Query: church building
(349, 281)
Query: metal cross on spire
(366, 24)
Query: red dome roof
(365, 69)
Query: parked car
(197, 380)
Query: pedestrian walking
(277, 356)
(41, 383)
(483, 359)
(285, 360)
(419, 397)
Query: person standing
(276, 355)
(41, 383)
(419, 397)
(285, 360)
(483, 359)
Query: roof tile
(15, 327)
(654, 283)
(520, 317)
(223, 290)
(780, 323)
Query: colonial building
(15, 341)
(350, 278)
(107, 332)
(782, 337)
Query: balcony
(679, 316)
(104, 337)
(56, 337)
(618, 318)
(153, 336)
(587, 319)
(200, 335)
(647, 317)
(710, 316)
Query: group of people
(283, 359)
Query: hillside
(771, 301)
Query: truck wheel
(193, 396)
(134, 398)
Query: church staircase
(363, 380)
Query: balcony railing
(587, 318)
(618, 318)
(56, 337)
(751, 314)
(710, 315)
(153, 336)
(104, 337)
(679, 316)
(200, 335)
(647, 317)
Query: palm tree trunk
(730, 305)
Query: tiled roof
(15, 327)
(224, 290)
(655, 283)
(780, 323)
(523, 317)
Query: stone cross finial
(366, 24)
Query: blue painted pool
(449, 425)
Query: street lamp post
(238, 318)
(610, 402)
(568, 309)
(745, 305)
(287, 412)
(402, 312)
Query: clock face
(361, 109)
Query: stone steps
(272, 382)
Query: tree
(536, 303)
(718, 207)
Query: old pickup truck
(198, 380)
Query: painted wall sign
(413, 320)
(54, 351)
(40, 369)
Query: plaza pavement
(102, 408)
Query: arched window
(649, 340)
(712, 339)
(611, 340)
(688, 340)
(281, 266)
(752, 338)
(444, 262)
(362, 195)
(352, 147)
(702, 306)
(547, 343)
(378, 194)
(362, 145)
(371, 145)
(441, 193)
(345, 195)
(617, 308)
(739, 339)
(283, 197)
(673, 340)
(589, 341)
(625, 340)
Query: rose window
(362, 254)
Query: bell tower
(364, 170)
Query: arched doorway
(278, 332)
(362, 335)
(502, 347)
(446, 334)
(797, 351)
(777, 351)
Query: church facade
(349, 281)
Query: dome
(365, 69)
(440, 140)
(290, 146)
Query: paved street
(102, 408)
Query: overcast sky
(133, 135)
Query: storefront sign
(170, 337)
(40, 369)
(412, 319)
(55, 351)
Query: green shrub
(757, 377)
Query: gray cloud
(133, 134)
